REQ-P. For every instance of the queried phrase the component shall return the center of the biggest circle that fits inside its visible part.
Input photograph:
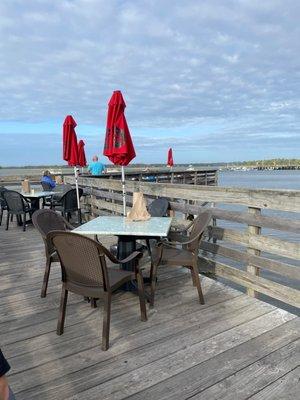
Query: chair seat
(118, 276)
(174, 256)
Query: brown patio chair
(67, 204)
(17, 205)
(3, 205)
(46, 221)
(85, 272)
(182, 252)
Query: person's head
(95, 158)
(46, 173)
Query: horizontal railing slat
(273, 289)
(288, 270)
(264, 243)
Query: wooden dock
(233, 347)
(192, 176)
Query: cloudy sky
(217, 80)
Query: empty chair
(67, 204)
(46, 221)
(85, 272)
(158, 207)
(183, 252)
(47, 201)
(17, 205)
(3, 205)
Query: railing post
(111, 191)
(253, 230)
(195, 178)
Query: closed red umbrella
(70, 148)
(81, 154)
(118, 146)
(170, 162)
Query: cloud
(179, 64)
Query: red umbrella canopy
(81, 154)
(70, 148)
(118, 146)
(170, 158)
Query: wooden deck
(233, 347)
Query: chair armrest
(175, 243)
(68, 225)
(113, 259)
(133, 256)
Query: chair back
(46, 186)
(197, 231)
(158, 207)
(2, 199)
(46, 221)
(82, 259)
(69, 200)
(14, 200)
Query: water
(261, 179)
(31, 171)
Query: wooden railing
(245, 249)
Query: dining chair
(182, 252)
(3, 205)
(45, 221)
(85, 272)
(17, 205)
(67, 204)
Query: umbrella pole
(123, 190)
(77, 190)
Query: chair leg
(7, 220)
(153, 274)
(141, 291)
(11, 217)
(198, 284)
(46, 277)
(24, 222)
(93, 303)
(106, 321)
(62, 311)
(1, 215)
(193, 277)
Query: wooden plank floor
(233, 347)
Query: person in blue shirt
(96, 167)
(47, 179)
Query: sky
(216, 80)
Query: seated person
(96, 167)
(47, 179)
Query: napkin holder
(26, 186)
(139, 208)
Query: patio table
(35, 195)
(127, 232)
